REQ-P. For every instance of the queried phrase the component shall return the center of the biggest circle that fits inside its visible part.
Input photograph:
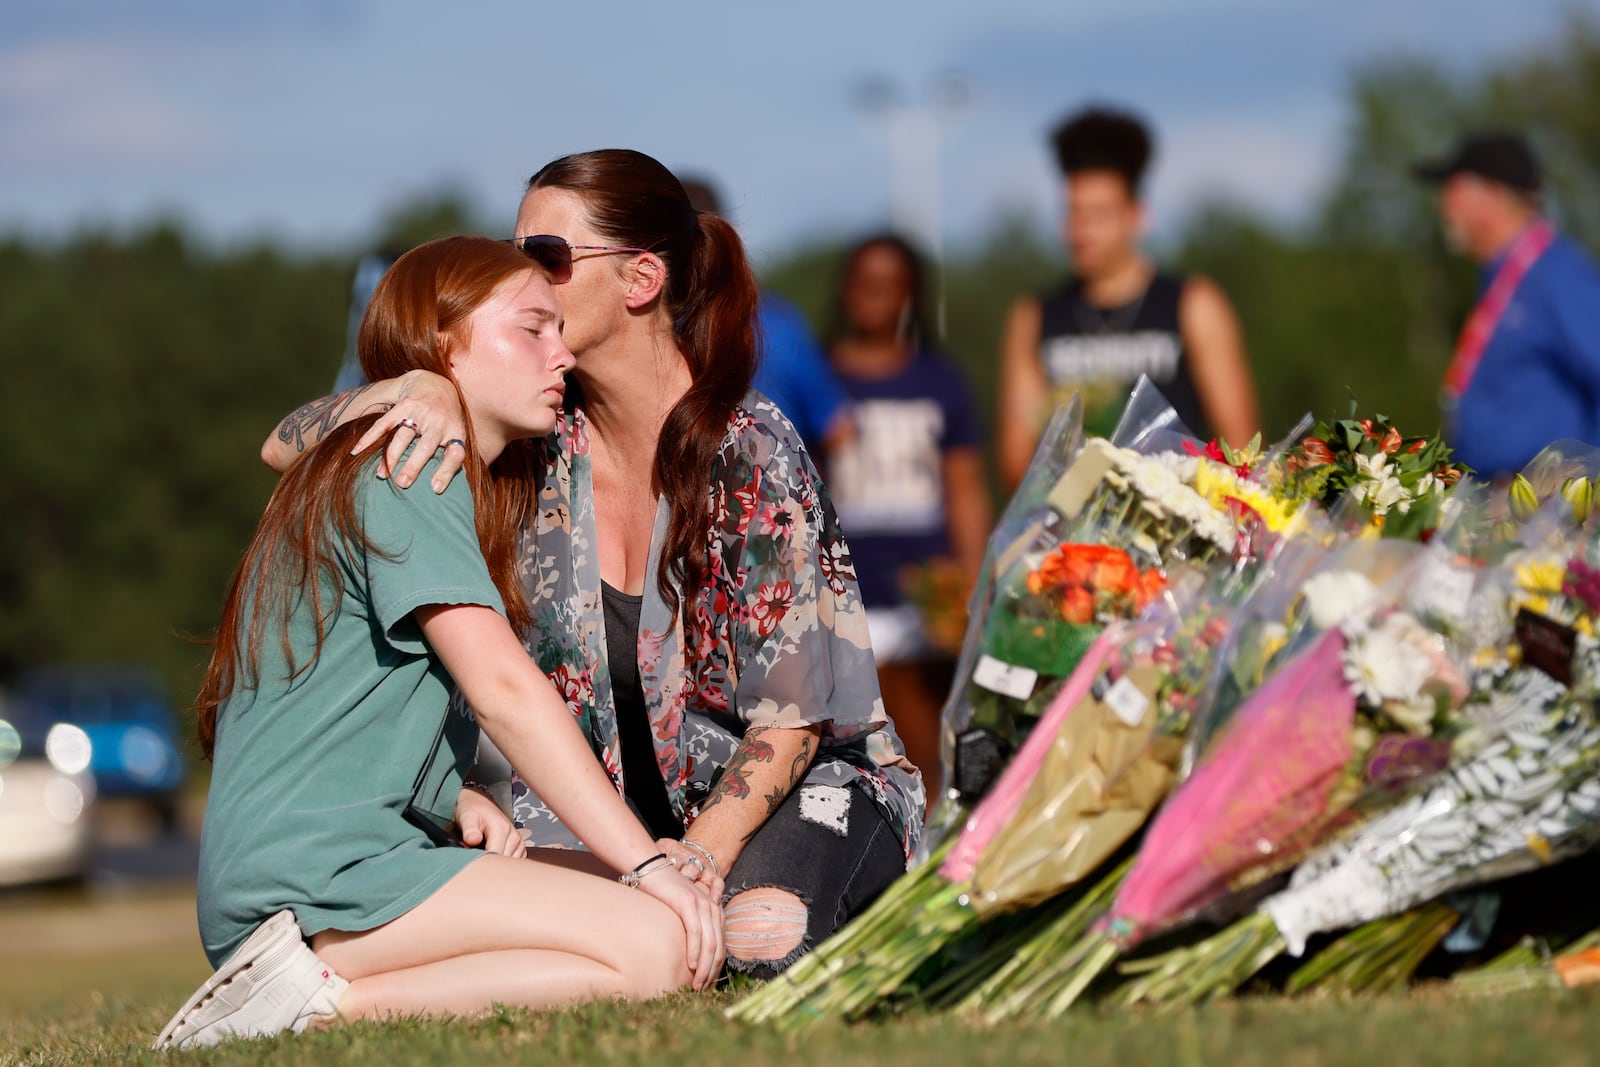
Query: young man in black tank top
(1117, 316)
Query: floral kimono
(781, 636)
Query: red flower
(771, 605)
(1391, 441)
(1316, 451)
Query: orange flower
(1109, 569)
(1391, 440)
(1077, 604)
(1150, 584)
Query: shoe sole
(243, 958)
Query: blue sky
(307, 119)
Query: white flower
(1387, 670)
(1374, 468)
(1334, 596)
(1379, 488)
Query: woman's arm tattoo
(735, 781)
(316, 419)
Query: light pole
(914, 133)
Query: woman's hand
(484, 825)
(428, 411)
(693, 866)
(701, 914)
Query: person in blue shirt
(1526, 370)
(911, 491)
(792, 371)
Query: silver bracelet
(645, 870)
(704, 853)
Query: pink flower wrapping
(1002, 801)
(1261, 797)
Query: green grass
(126, 966)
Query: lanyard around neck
(1485, 317)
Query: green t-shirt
(311, 777)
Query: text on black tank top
(1101, 352)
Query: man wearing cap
(1526, 370)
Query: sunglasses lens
(551, 253)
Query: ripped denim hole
(766, 934)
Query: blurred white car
(46, 794)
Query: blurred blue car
(127, 718)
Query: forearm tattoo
(734, 783)
(307, 425)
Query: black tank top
(643, 786)
(1101, 352)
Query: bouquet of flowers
(1370, 708)
(1396, 483)
(1114, 521)
(1527, 794)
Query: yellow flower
(1216, 484)
(1541, 576)
(1539, 605)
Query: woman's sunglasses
(555, 255)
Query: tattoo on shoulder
(310, 423)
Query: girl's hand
(701, 915)
(429, 413)
(484, 825)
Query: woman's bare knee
(765, 925)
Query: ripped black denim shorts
(832, 847)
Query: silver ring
(411, 424)
(456, 441)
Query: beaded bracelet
(704, 853)
(659, 862)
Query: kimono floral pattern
(779, 636)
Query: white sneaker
(272, 983)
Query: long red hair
(419, 312)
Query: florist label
(1125, 701)
(1007, 679)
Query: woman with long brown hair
(696, 601)
(325, 711)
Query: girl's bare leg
(509, 931)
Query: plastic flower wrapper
(1371, 708)
(1093, 551)
(1028, 521)
(1303, 590)
(1526, 796)
(1109, 763)
(1566, 469)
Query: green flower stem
(1380, 955)
(1054, 940)
(1211, 968)
(1011, 933)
